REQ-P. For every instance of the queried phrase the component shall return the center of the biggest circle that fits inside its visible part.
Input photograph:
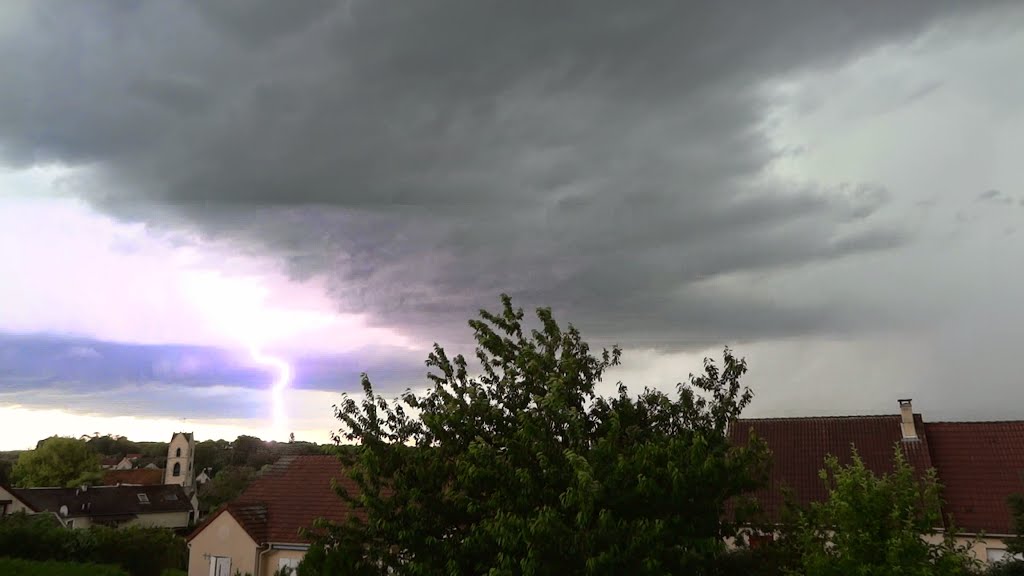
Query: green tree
(878, 525)
(5, 471)
(212, 454)
(525, 469)
(225, 486)
(57, 461)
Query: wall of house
(982, 548)
(272, 559)
(222, 537)
(79, 523)
(161, 520)
(15, 505)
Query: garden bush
(21, 567)
(140, 551)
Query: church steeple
(180, 468)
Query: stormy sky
(832, 189)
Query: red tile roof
(288, 497)
(140, 476)
(799, 447)
(980, 464)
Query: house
(11, 503)
(260, 532)
(979, 464)
(203, 477)
(109, 462)
(164, 506)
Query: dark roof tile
(290, 496)
(106, 500)
(980, 464)
(800, 445)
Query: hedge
(20, 567)
(139, 551)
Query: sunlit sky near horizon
(832, 190)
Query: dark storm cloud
(82, 374)
(604, 158)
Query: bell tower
(180, 468)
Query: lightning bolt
(281, 382)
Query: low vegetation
(20, 567)
(138, 551)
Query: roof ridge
(975, 422)
(835, 417)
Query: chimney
(907, 419)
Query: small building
(165, 506)
(109, 462)
(259, 532)
(203, 477)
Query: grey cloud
(602, 158)
(92, 375)
(998, 197)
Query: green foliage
(173, 572)
(526, 470)
(6, 466)
(1015, 545)
(140, 551)
(18, 567)
(1006, 568)
(227, 485)
(874, 525)
(57, 461)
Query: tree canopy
(878, 525)
(524, 468)
(57, 461)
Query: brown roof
(140, 476)
(800, 445)
(980, 464)
(106, 500)
(288, 497)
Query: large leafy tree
(524, 469)
(225, 486)
(875, 525)
(57, 461)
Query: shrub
(1009, 568)
(140, 551)
(20, 567)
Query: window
(287, 566)
(994, 555)
(143, 498)
(177, 452)
(177, 469)
(220, 566)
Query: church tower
(180, 468)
